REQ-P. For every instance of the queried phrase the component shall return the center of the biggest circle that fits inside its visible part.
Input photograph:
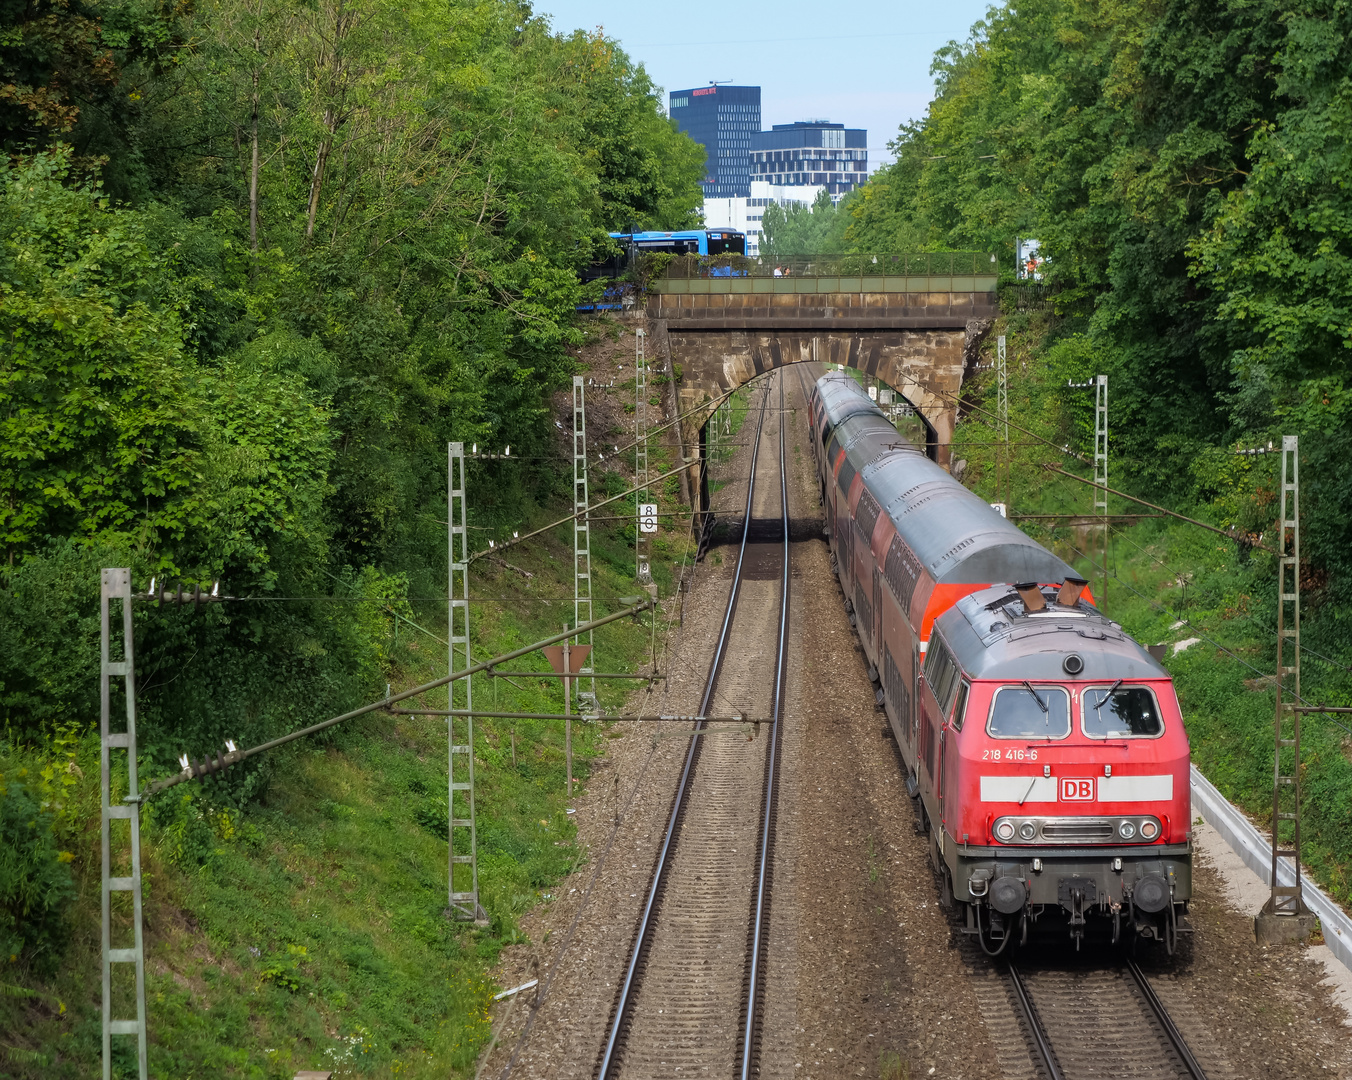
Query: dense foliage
(1183, 164)
(258, 264)
(248, 292)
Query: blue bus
(683, 242)
(687, 242)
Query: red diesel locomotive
(1045, 746)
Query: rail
(1166, 1022)
(1036, 1030)
(612, 1050)
(758, 916)
(1041, 1041)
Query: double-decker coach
(1045, 745)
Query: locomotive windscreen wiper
(1036, 697)
(1111, 690)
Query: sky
(869, 69)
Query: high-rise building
(811, 153)
(724, 119)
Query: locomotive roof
(994, 636)
(955, 534)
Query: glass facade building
(724, 120)
(811, 152)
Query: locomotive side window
(941, 673)
(1029, 712)
(961, 707)
(1128, 712)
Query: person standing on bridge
(778, 272)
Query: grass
(721, 446)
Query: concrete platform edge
(1251, 846)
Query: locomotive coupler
(1074, 893)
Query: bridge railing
(926, 263)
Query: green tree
(1278, 255)
(1179, 163)
(648, 171)
(795, 230)
(107, 429)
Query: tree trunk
(317, 180)
(334, 84)
(253, 163)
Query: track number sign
(647, 517)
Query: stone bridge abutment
(917, 334)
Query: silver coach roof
(955, 535)
(993, 636)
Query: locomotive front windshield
(1127, 712)
(1029, 712)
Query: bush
(35, 878)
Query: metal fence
(926, 263)
(1030, 296)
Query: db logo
(1076, 790)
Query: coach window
(1121, 712)
(1025, 711)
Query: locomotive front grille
(1142, 829)
(1086, 830)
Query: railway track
(1086, 1021)
(1076, 1019)
(692, 995)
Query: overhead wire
(1211, 528)
(788, 40)
(1200, 632)
(1159, 607)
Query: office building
(811, 153)
(724, 120)
(745, 214)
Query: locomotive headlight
(1126, 830)
(1005, 830)
(1149, 830)
(1027, 830)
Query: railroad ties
(691, 999)
(1098, 1017)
